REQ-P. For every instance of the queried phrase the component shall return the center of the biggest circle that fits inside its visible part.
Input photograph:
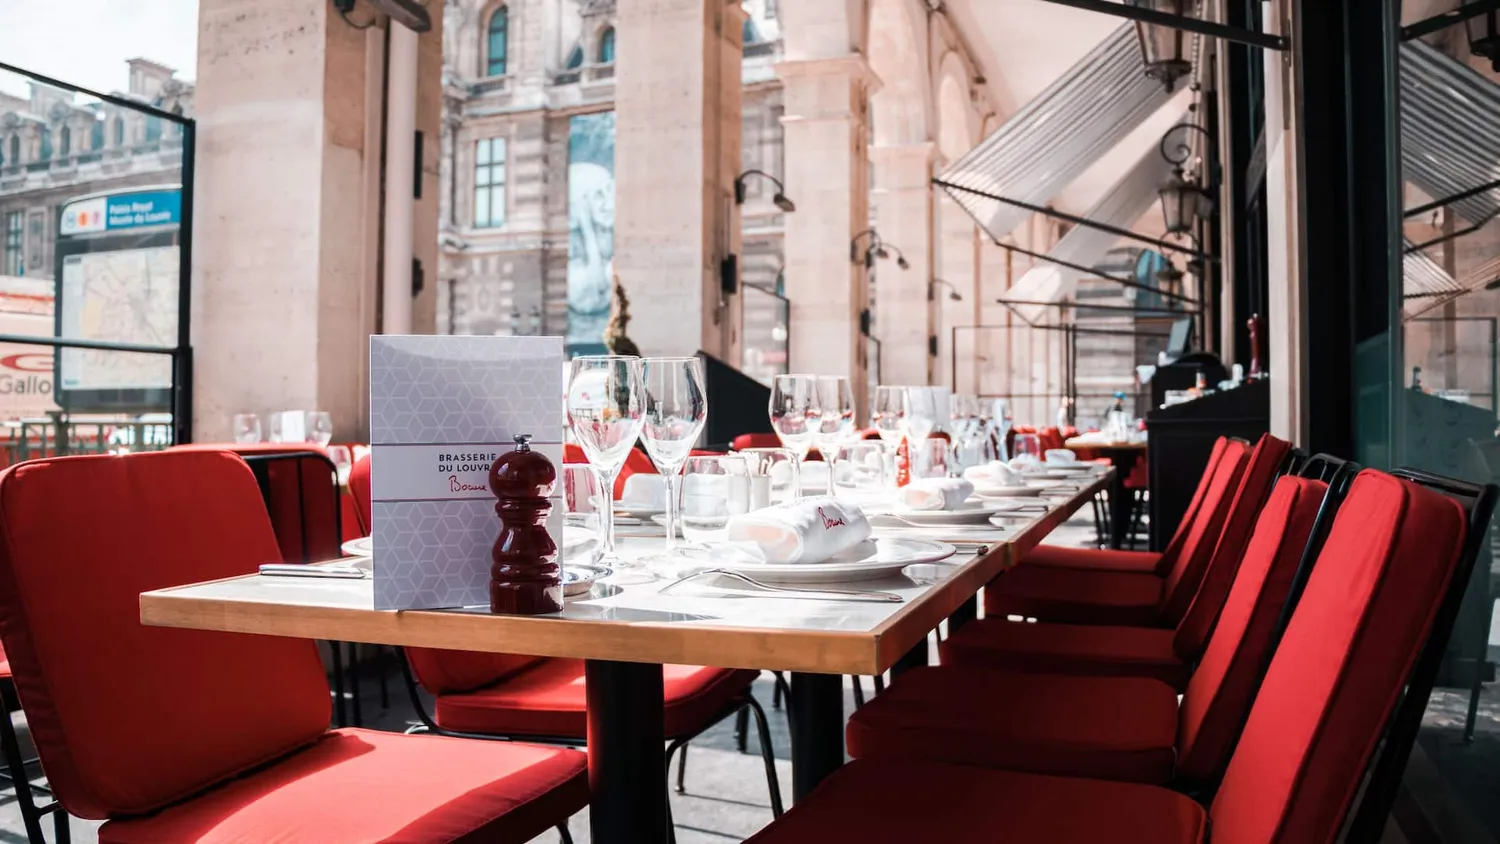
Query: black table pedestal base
(627, 768)
(816, 712)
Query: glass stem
(829, 458)
(669, 482)
(607, 485)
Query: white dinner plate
(971, 513)
(1007, 491)
(638, 511)
(360, 547)
(871, 559)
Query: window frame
(606, 40)
(12, 244)
(486, 165)
(502, 14)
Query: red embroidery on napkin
(829, 524)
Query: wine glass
(919, 413)
(863, 469)
(964, 424)
(604, 414)
(1028, 450)
(675, 408)
(836, 421)
(342, 462)
(246, 428)
(886, 409)
(795, 414)
(584, 508)
(318, 427)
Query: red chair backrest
(301, 494)
(1050, 437)
(1200, 608)
(359, 489)
(1197, 547)
(635, 461)
(755, 441)
(1223, 685)
(1339, 669)
(444, 671)
(129, 718)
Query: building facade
(55, 147)
(527, 198)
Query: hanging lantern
(1169, 278)
(1164, 48)
(1179, 202)
(1484, 37)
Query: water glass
(919, 412)
(796, 416)
(861, 470)
(246, 428)
(886, 411)
(836, 404)
(714, 489)
(342, 462)
(932, 458)
(317, 427)
(675, 409)
(1028, 450)
(604, 414)
(774, 476)
(585, 508)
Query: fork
(788, 592)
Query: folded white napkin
(994, 473)
(809, 530)
(645, 489)
(1060, 456)
(935, 494)
(1024, 461)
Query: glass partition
(766, 351)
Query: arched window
(153, 128)
(65, 142)
(575, 58)
(15, 149)
(96, 135)
(607, 46)
(751, 33)
(499, 31)
(119, 131)
(46, 144)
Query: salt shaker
(525, 578)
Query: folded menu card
(441, 410)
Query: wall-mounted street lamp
(874, 248)
(779, 198)
(1183, 200)
(953, 294)
(1164, 48)
(1484, 36)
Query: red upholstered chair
(755, 441)
(191, 736)
(1110, 727)
(18, 773)
(1050, 593)
(1382, 594)
(509, 696)
(1166, 654)
(635, 461)
(1097, 559)
(359, 490)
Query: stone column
(958, 265)
(284, 252)
(827, 170)
(677, 153)
(903, 317)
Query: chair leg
(879, 683)
(741, 727)
(563, 836)
(339, 716)
(859, 692)
(16, 765)
(60, 829)
(356, 710)
(385, 693)
(682, 770)
(780, 691)
(767, 754)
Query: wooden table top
(631, 623)
(1075, 442)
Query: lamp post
(1182, 199)
(1163, 48)
(1484, 37)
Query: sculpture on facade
(619, 317)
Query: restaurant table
(1122, 456)
(626, 633)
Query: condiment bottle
(525, 578)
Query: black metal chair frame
(17, 774)
(741, 704)
(348, 709)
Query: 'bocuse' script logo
(829, 524)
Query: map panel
(124, 296)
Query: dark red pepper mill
(525, 578)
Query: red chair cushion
(1093, 559)
(362, 785)
(1341, 665)
(1075, 596)
(301, 494)
(1075, 649)
(1120, 728)
(441, 671)
(359, 489)
(548, 699)
(129, 718)
(755, 441)
(1198, 606)
(886, 800)
(1224, 683)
